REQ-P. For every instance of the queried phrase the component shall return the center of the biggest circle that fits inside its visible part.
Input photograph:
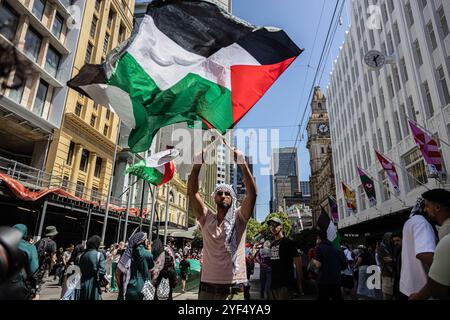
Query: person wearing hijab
(164, 268)
(92, 268)
(223, 270)
(71, 284)
(134, 265)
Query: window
(79, 192)
(431, 35)
(443, 21)
(84, 160)
(41, 97)
(93, 120)
(65, 182)
(105, 130)
(17, 93)
(57, 25)
(390, 87)
(52, 61)
(106, 44)
(93, 27)
(38, 8)
(32, 44)
(362, 198)
(404, 70)
(396, 34)
(404, 120)
(418, 54)
(97, 5)
(428, 100)
(411, 110)
(398, 131)
(386, 193)
(70, 153)
(409, 14)
(443, 85)
(416, 169)
(95, 194)
(89, 49)
(122, 34)
(110, 19)
(9, 15)
(382, 100)
(108, 114)
(78, 109)
(98, 167)
(387, 130)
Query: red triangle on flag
(250, 83)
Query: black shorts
(184, 275)
(348, 282)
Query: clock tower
(319, 146)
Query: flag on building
(390, 170)
(369, 187)
(333, 208)
(190, 61)
(429, 148)
(324, 223)
(157, 169)
(350, 197)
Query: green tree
(286, 225)
(253, 229)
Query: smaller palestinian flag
(334, 208)
(429, 148)
(369, 187)
(325, 224)
(350, 197)
(390, 170)
(157, 169)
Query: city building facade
(83, 150)
(319, 146)
(369, 110)
(284, 178)
(41, 33)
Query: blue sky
(282, 107)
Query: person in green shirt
(25, 279)
(92, 265)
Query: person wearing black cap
(283, 256)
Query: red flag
(390, 170)
(428, 146)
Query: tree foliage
(253, 229)
(198, 238)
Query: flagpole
(152, 218)
(105, 220)
(142, 205)
(167, 213)
(130, 195)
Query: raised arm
(198, 206)
(248, 204)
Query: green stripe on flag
(153, 109)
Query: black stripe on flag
(197, 26)
(269, 47)
(89, 74)
(324, 220)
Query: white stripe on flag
(115, 98)
(167, 63)
(331, 232)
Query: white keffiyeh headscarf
(230, 224)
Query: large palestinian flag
(190, 61)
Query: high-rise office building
(369, 110)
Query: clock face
(375, 59)
(323, 128)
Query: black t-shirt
(184, 265)
(282, 253)
(333, 262)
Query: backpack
(41, 247)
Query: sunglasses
(273, 225)
(221, 193)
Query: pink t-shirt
(217, 267)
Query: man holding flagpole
(223, 270)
